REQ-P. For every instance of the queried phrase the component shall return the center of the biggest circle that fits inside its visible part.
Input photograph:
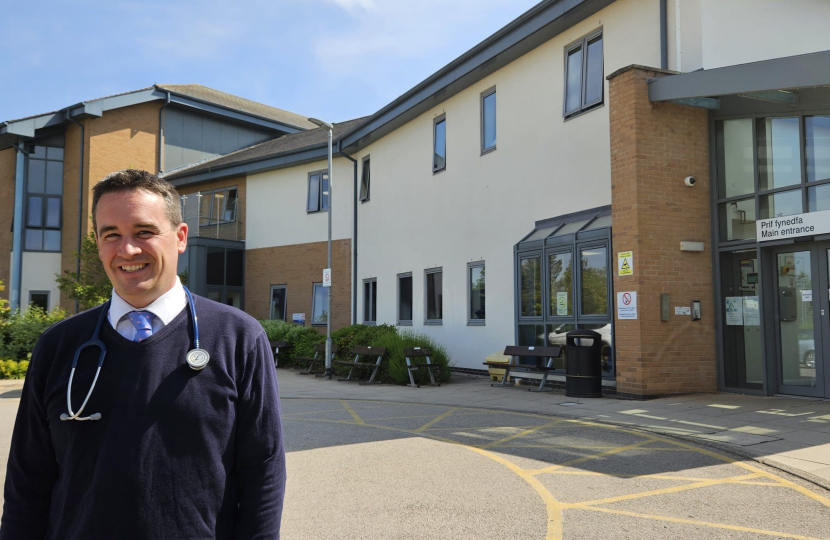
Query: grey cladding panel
(191, 137)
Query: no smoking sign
(627, 306)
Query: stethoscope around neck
(196, 358)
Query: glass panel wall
(817, 137)
(561, 287)
(594, 279)
(779, 153)
(742, 338)
(530, 287)
(795, 318)
(735, 170)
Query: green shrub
(19, 331)
(12, 369)
(395, 367)
(300, 339)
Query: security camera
(690, 181)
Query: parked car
(807, 352)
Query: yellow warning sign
(625, 265)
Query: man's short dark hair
(133, 179)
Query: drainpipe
(664, 35)
(71, 120)
(17, 240)
(354, 237)
(161, 129)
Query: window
(561, 289)
(475, 288)
(594, 280)
(278, 307)
(220, 204)
(488, 120)
(44, 191)
(584, 84)
(405, 299)
(434, 296)
(224, 275)
(39, 299)
(439, 144)
(364, 180)
(318, 191)
(530, 286)
(370, 300)
(320, 304)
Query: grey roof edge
(276, 161)
(534, 27)
(786, 73)
(580, 215)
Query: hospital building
(655, 170)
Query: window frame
(398, 320)
(435, 121)
(44, 198)
(372, 305)
(427, 273)
(319, 207)
(284, 306)
(314, 287)
(470, 320)
(211, 217)
(582, 43)
(48, 298)
(365, 178)
(484, 95)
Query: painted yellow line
(435, 420)
(700, 523)
(519, 435)
(593, 456)
(575, 447)
(663, 491)
(553, 506)
(352, 412)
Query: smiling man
(154, 445)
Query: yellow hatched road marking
(435, 420)
(663, 491)
(700, 523)
(352, 412)
(519, 435)
(593, 456)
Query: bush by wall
(300, 339)
(396, 365)
(12, 369)
(19, 331)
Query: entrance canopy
(768, 80)
(560, 228)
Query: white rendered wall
(39, 273)
(276, 203)
(716, 33)
(481, 206)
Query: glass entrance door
(802, 318)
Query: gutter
(354, 237)
(161, 130)
(71, 120)
(664, 35)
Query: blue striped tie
(143, 322)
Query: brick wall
(120, 139)
(8, 161)
(299, 267)
(653, 148)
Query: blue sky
(333, 59)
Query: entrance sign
(627, 306)
(326, 277)
(752, 314)
(793, 226)
(298, 318)
(562, 303)
(734, 310)
(682, 310)
(625, 263)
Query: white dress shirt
(165, 308)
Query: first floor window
(439, 144)
(320, 304)
(370, 300)
(475, 276)
(318, 191)
(405, 299)
(435, 296)
(584, 83)
(364, 180)
(44, 192)
(488, 120)
(278, 294)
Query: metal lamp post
(328, 126)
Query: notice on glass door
(734, 311)
(807, 296)
(752, 315)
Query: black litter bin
(583, 370)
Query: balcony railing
(212, 215)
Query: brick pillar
(654, 146)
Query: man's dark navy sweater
(177, 454)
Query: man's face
(138, 245)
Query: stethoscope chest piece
(197, 359)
